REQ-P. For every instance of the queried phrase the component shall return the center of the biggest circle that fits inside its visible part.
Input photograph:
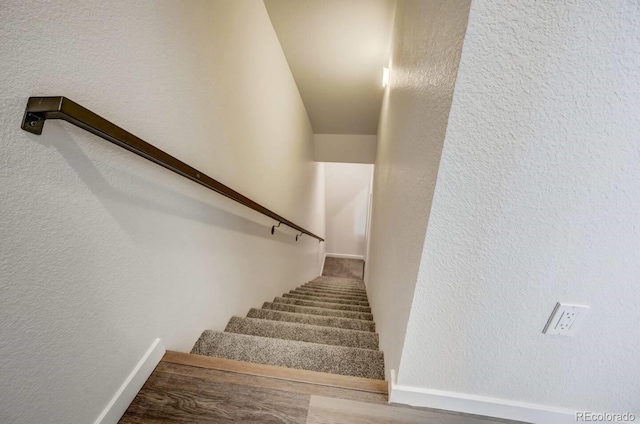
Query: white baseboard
(324, 258)
(478, 405)
(132, 385)
(343, 256)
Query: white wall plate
(565, 319)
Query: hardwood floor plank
(174, 398)
(323, 410)
(333, 380)
(270, 383)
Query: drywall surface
(322, 219)
(345, 148)
(336, 50)
(347, 204)
(537, 201)
(426, 48)
(103, 251)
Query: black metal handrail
(39, 109)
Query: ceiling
(336, 50)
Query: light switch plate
(565, 319)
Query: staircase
(325, 325)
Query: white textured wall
(102, 251)
(426, 49)
(347, 148)
(538, 201)
(347, 203)
(322, 222)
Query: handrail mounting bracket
(33, 123)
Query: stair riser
(344, 323)
(326, 305)
(303, 333)
(318, 311)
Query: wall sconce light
(385, 77)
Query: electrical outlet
(565, 319)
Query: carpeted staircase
(325, 325)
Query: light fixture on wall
(385, 77)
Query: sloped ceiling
(336, 50)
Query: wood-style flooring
(187, 389)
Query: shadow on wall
(118, 202)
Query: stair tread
(351, 296)
(326, 321)
(303, 332)
(293, 354)
(321, 304)
(347, 285)
(358, 284)
(320, 298)
(338, 280)
(332, 294)
(335, 289)
(310, 310)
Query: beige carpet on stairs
(325, 325)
